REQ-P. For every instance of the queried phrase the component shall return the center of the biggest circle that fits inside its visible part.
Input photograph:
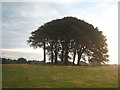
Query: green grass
(45, 76)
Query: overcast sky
(19, 19)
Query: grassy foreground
(39, 76)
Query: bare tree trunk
(66, 55)
(44, 52)
(52, 52)
(79, 57)
(56, 54)
(74, 56)
(80, 52)
(62, 53)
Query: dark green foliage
(66, 38)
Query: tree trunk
(52, 57)
(44, 52)
(80, 52)
(62, 53)
(79, 57)
(52, 52)
(56, 54)
(78, 61)
(74, 56)
(66, 55)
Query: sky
(19, 19)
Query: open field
(47, 76)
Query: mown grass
(43, 76)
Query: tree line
(25, 61)
(19, 61)
(69, 39)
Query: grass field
(39, 76)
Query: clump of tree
(19, 61)
(67, 38)
(8, 61)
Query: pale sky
(19, 19)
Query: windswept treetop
(66, 38)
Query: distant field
(39, 76)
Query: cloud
(20, 19)
(24, 50)
(27, 53)
(28, 56)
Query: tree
(21, 61)
(69, 36)
(38, 39)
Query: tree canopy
(67, 38)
